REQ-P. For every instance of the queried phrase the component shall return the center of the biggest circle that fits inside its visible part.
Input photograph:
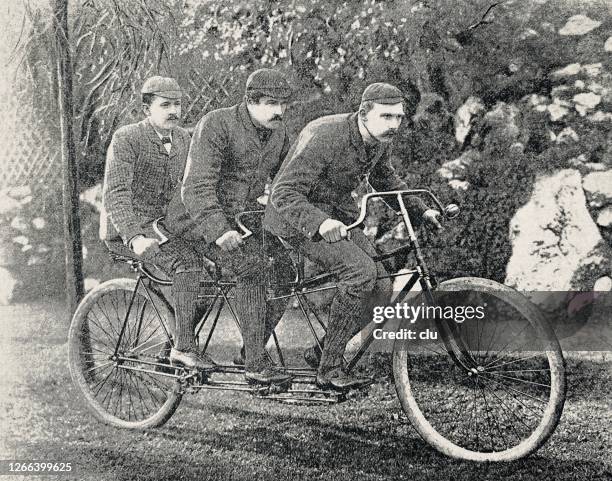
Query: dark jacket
(324, 166)
(227, 170)
(140, 179)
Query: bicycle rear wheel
(501, 397)
(134, 388)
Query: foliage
(439, 53)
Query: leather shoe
(268, 375)
(339, 380)
(312, 356)
(192, 360)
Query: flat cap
(382, 93)
(269, 82)
(166, 87)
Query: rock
(566, 135)
(589, 99)
(592, 69)
(578, 161)
(579, 25)
(557, 112)
(26, 200)
(608, 45)
(553, 239)
(569, 70)
(603, 284)
(89, 283)
(7, 286)
(19, 223)
(604, 218)
(535, 99)
(598, 186)
(579, 84)
(599, 116)
(464, 115)
(595, 166)
(561, 90)
(597, 88)
(459, 184)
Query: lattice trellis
(29, 154)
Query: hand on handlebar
(144, 247)
(333, 230)
(229, 241)
(431, 216)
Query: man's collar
(154, 130)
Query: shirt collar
(154, 132)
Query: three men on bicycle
(311, 204)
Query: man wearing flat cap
(234, 152)
(144, 165)
(310, 206)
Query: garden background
(512, 118)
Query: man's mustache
(172, 117)
(276, 117)
(390, 133)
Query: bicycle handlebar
(246, 231)
(450, 211)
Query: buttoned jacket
(227, 169)
(141, 178)
(323, 167)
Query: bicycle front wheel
(496, 391)
(126, 382)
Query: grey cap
(166, 87)
(382, 93)
(269, 82)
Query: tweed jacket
(323, 167)
(140, 179)
(227, 169)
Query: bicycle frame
(302, 286)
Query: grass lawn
(231, 436)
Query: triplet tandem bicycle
(489, 389)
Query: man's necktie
(166, 140)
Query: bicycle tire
(442, 433)
(87, 360)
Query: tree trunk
(72, 224)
